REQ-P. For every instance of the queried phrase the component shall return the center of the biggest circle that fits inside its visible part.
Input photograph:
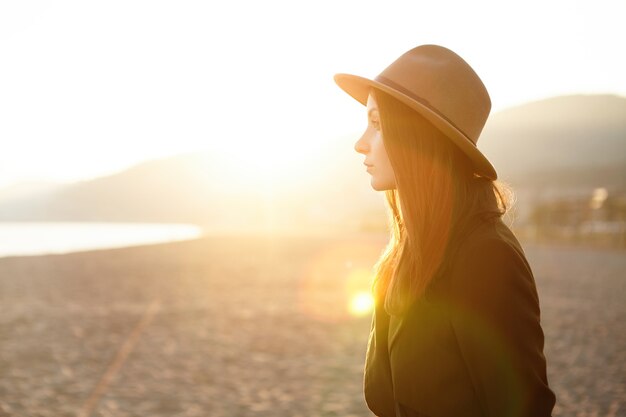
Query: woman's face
(371, 145)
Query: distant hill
(27, 189)
(567, 141)
(203, 189)
(563, 144)
(160, 190)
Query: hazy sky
(88, 88)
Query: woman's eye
(376, 124)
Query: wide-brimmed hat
(442, 87)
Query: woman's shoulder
(488, 255)
(491, 241)
(490, 262)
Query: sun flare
(361, 304)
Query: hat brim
(359, 88)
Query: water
(38, 238)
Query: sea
(41, 238)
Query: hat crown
(440, 86)
(443, 81)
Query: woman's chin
(379, 186)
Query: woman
(456, 328)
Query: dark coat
(473, 346)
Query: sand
(259, 326)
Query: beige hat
(443, 88)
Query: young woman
(456, 328)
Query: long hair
(438, 198)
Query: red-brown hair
(437, 197)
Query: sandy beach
(259, 326)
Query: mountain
(204, 189)
(566, 141)
(154, 191)
(568, 144)
(27, 189)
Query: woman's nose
(362, 145)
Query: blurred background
(186, 229)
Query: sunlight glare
(361, 304)
(336, 283)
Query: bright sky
(89, 88)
